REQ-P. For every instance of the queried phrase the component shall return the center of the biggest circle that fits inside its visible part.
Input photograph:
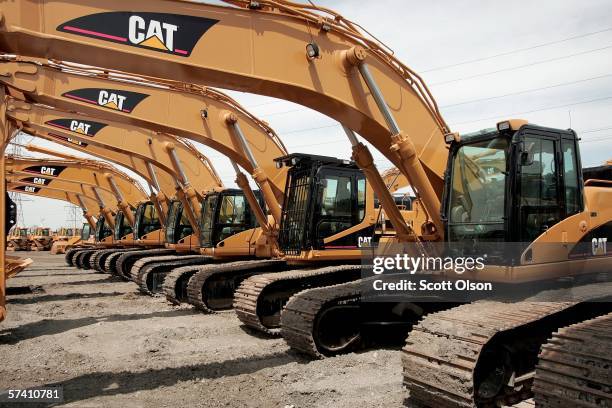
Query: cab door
(341, 205)
(540, 201)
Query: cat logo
(30, 189)
(152, 34)
(111, 100)
(169, 33)
(599, 246)
(79, 127)
(49, 171)
(36, 180)
(115, 99)
(83, 127)
(364, 242)
(40, 180)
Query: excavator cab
(177, 223)
(122, 226)
(102, 230)
(225, 213)
(324, 196)
(85, 232)
(147, 220)
(511, 185)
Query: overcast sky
(547, 61)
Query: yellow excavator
(80, 176)
(185, 167)
(175, 108)
(353, 78)
(226, 128)
(190, 171)
(224, 239)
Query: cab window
(570, 178)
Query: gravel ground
(109, 346)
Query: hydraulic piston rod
(402, 145)
(86, 214)
(127, 211)
(158, 198)
(258, 174)
(365, 161)
(191, 200)
(243, 183)
(153, 176)
(106, 212)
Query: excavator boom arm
(326, 64)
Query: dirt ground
(109, 346)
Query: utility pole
(74, 214)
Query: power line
(282, 133)
(489, 98)
(535, 110)
(481, 59)
(594, 130)
(520, 66)
(609, 137)
(526, 91)
(516, 50)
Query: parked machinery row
(517, 182)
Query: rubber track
(171, 280)
(81, 260)
(95, 264)
(70, 254)
(110, 264)
(125, 261)
(195, 287)
(146, 261)
(159, 268)
(442, 351)
(575, 366)
(76, 255)
(298, 318)
(98, 260)
(247, 295)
